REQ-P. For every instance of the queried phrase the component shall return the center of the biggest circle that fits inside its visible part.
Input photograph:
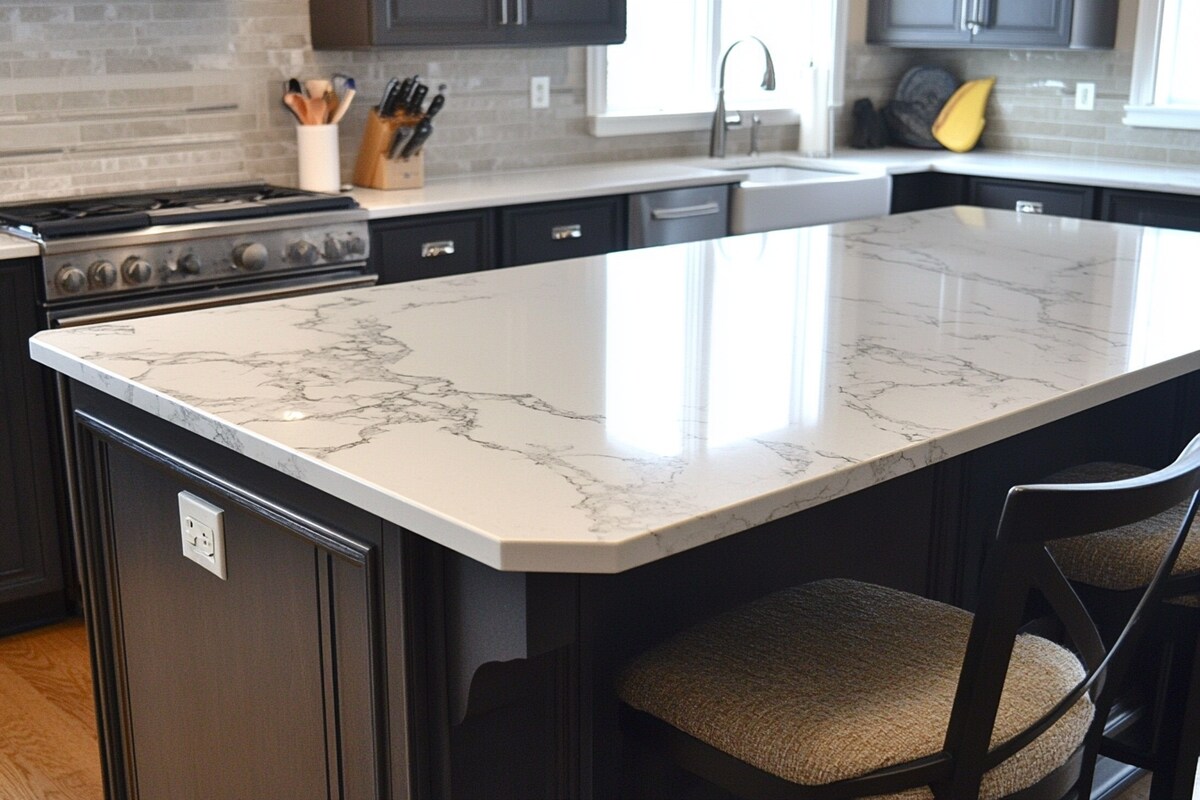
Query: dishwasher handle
(686, 212)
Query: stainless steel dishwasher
(678, 215)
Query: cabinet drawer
(553, 231)
(678, 215)
(1149, 208)
(432, 246)
(1037, 198)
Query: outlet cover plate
(539, 92)
(202, 528)
(1085, 96)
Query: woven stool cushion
(1126, 557)
(836, 679)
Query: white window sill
(1162, 117)
(613, 125)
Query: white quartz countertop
(591, 180)
(16, 247)
(598, 414)
(1175, 179)
(537, 186)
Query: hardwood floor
(48, 745)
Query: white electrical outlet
(202, 527)
(1085, 96)
(539, 92)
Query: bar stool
(1109, 569)
(840, 689)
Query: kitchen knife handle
(561, 233)
(437, 249)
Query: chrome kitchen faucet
(721, 122)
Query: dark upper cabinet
(347, 24)
(1049, 24)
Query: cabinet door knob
(1028, 207)
(563, 232)
(436, 249)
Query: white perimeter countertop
(592, 180)
(598, 414)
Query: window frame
(1142, 110)
(602, 124)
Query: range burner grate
(91, 215)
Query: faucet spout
(721, 122)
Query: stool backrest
(1019, 564)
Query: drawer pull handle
(436, 249)
(1029, 207)
(563, 232)
(684, 212)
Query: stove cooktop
(78, 216)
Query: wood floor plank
(48, 743)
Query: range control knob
(71, 279)
(356, 245)
(189, 264)
(102, 274)
(334, 249)
(250, 257)
(303, 252)
(137, 270)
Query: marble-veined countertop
(598, 414)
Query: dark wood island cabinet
(453, 509)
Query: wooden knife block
(374, 169)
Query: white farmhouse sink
(788, 196)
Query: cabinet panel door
(917, 22)
(242, 687)
(30, 550)
(1148, 208)
(432, 246)
(554, 231)
(1044, 198)
(571, 21)
(437, 22)
(1025, 23)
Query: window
(1165, 93)
(664, 77)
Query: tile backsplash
(111, 96)
(1032, 108)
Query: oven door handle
(354, 282)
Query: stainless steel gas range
(126, 255)
(119, 256)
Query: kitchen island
(452, 508)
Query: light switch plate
(202, 528)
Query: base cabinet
(268, 683)
(32, 542)
(921, 190)
(1148, 208)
